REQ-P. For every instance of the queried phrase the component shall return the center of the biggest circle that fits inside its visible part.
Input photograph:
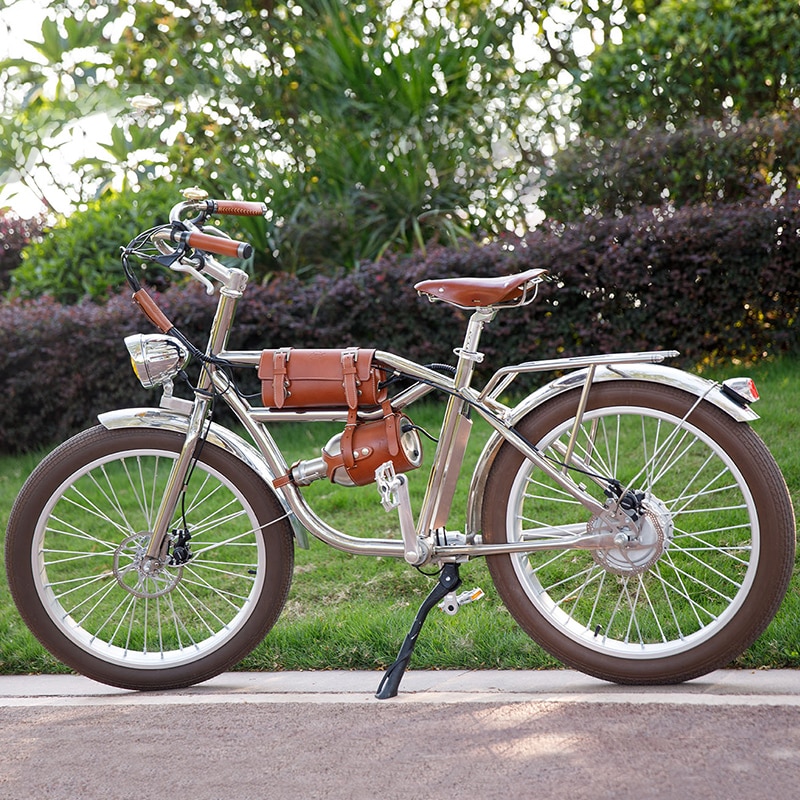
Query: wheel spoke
(78, 546)
(120, 604)
(700, 523)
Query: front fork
(176, 483)
(229, 296)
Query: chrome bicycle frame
(421, 543)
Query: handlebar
(181, 246)
(240, 208)
(208, 242)
(205, 208)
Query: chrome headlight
(155, 358)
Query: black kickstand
(448, 582)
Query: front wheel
(82, 581)
(706, 559)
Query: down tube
(274, 458)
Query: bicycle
(633, 523)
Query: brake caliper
(181, 552)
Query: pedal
(452, 601)
(388, 485)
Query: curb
(722, 687)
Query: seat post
(454, 435)
(468, 354)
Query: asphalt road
(471, 735)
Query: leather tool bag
(297, 378)
(365, 446)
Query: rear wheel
(79, 574)
(702, 569)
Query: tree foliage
(367, 125)
(694, 58)
(698, 103)
(703, 161)
(15, 234)
(80, 255)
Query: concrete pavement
(723, 687)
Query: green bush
(715, 284)
(686, 58)
(79, 256)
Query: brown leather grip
(218, 245)
(241, 208)
(152, 311)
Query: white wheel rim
(95, 612)
(645, 622)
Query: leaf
(80, 33)
(52, 45)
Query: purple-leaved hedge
(716, 283)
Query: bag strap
(280, 383)
(350, 383)
(391, 421)
(350, 376)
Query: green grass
(351, 612)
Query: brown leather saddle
(506, 290)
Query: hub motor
(639, 544)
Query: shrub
(15, 234)
(715, 284)
(703, 161)
(79, 256)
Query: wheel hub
(142, 575)
(640, 543)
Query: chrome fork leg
(176, 481)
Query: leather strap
(392, 436)
(280, 383)
(346, 443)
(284, 480)
(350, 377)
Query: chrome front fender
(165, 419)
(652, 373)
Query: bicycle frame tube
(448, 458)
(291, 493)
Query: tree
(697, 103)
(367, 125)
(695, 58)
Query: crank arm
(394, 494)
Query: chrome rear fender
(651, 373)
(166, 419)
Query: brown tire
(715, 546)
(74, 557)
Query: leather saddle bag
(298, 378)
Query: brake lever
(176, 259)
(181, 266)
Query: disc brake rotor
(647, 540)
(140, 575)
